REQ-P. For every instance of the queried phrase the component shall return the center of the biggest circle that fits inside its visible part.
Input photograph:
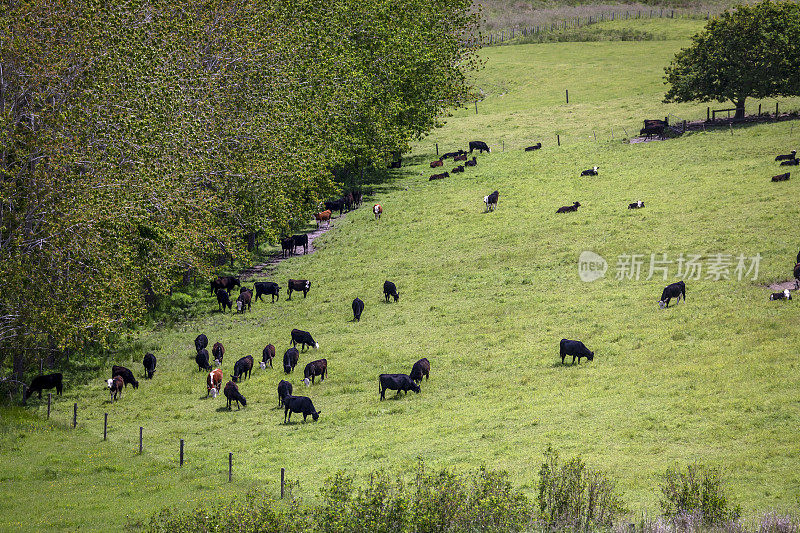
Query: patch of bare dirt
(788, 284)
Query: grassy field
(486, 298)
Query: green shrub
(697, 489)
(573, 496)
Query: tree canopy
(752, 51)
(142, 140)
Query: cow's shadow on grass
(224, 409)
(566, 364)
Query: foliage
(575, 497)
(697, 489)
(751, 52)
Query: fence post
(776, 110)
(476, 107)
(141, 430)
(283, 472)
(105, 425)
(75, 415)
(49, 399)
(595, 135)
(708, 114)
(558, 139)
(504, 146)
(181, 459)
(437, 149)
(567, 95)
(759, 110)
(684, 126)
(230, 467)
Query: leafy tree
(752, 51)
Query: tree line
(142, 140)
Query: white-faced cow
(267, 356)
(785, 295)
(244, 300)
(576, 349)
(673, 290)
(218, 351)
(298, 285)
(314, 369)
(636, 205)
(214, 382)
(590, 172)
(491, 201)
(115, 386)
(377, 210)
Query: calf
(324, 216)
(441, 176)
(202, 360)
(218, 351)
(390, 289)
(223, 300)
(149, 363)
(453, 154)
(377, 210)
(460, 157)
(569, 208)
(200, 342)
(358, 308)
(459, 168)
(214, 382)
(303, 338)
(48, 381)
(781, 177)
(300, 240)
(233, 395)
(297, 285)
(287, 245)
(785, 295)
(590, 172)
(242, 368)
(534, 147)
(267, 356)
(244, 300)
(636, 205)
(398, 382)
(269, 288)
(284, 390)
(314, 369)
(480, 146)
(290, 359)
(672, 290)
(420, 368)
(491, 201)
(791, 163)
(576, 349)
(472, 162)
(125, 374)
(115, 385)
(436, 163)
(784, 157)
(299, 404)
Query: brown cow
(214, 382)
(324, 216)
(436, 163)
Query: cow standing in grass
(242, 368)
(314, 369)
(218, 351)
(398, 382)
(44, 382)
(115, 386)
(299, 404)
(233, 395)
(284, 390)
(200, 342)
(224, 300)
(420, 368)
(126, 374)
(673, 290)
(298, 285)
(149, 363)
(358, 308)
(390, 289)
(576, 349)
(202, 360)
(267, 356)
(269, 288)
(290, 359)
(214, 382)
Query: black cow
(244, 300)
(48, 381)
(672, 290)
(534, 147)
(218, 351)
(297, 285)
(479, 145)
(636, 205)
(798, 258)
(576, 349)
(785, 295)
(459, 168)
(233, 395)
(225, 282)
(242, 368)
(398, 382)
(569, 208)
(314, 369)
(796, 275)
(303, 338)
(267, 356)
(223, 300)
(200, 342)
(284, 390)
(590, 172)
(781, 177)
(453, 154)
(472, 162)
(420, 368)
(358, 308)
(389, 289)
(791, 163)
(335, 205)
(491, 201)
(268, 287)
(299, 404)
(300, 240)
(290, 359)
(441, 176)
(287, 247)
(202, 360)
(149, 363)
(784, 157)
(125, 374)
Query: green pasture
(486, 297)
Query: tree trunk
(739, 109)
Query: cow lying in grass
(534, 147)
(590, 172)
(569, 208)
(636, 205)
(781, 177)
